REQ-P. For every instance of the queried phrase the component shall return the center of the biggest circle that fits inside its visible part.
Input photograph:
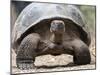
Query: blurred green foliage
(89, 13)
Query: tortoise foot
(25, 66)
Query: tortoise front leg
(79, 50)
(26, 54)
(81, 53)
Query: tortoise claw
(25, 66)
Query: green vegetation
(89, 13)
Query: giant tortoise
(55, 29)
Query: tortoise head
(57, 26)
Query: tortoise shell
(36, 17)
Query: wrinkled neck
(57, 38)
